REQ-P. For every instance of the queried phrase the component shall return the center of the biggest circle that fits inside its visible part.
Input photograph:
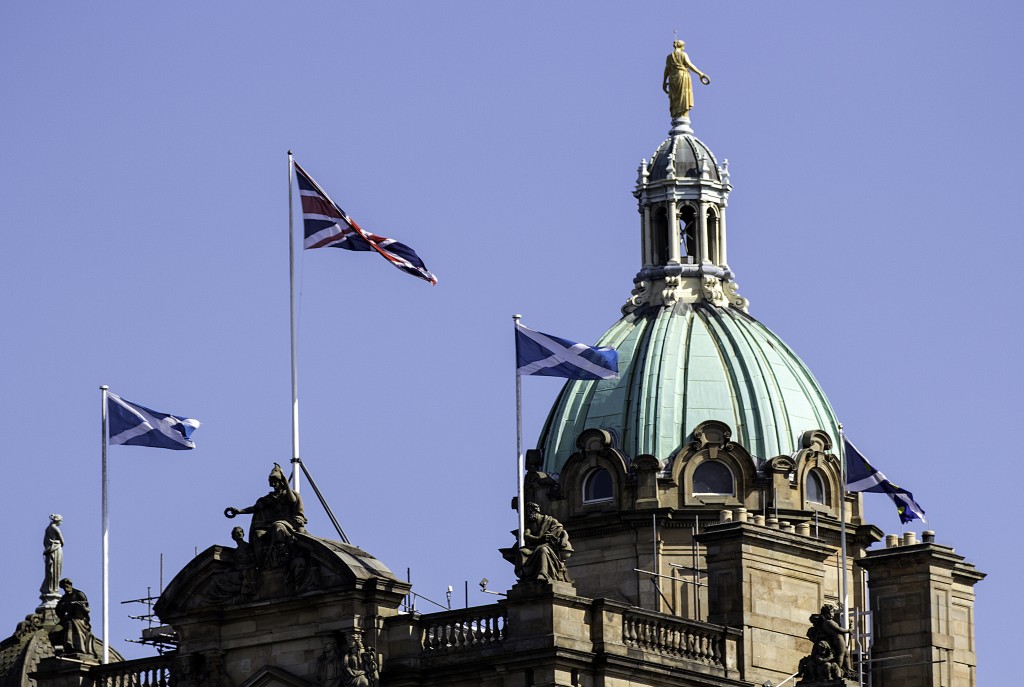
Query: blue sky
(874, 225)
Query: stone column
(702, 229)
(673, 232)
(645, 238)
(922, 604)
(721, 237)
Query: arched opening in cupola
(659, 236)
(713, 237)
(688, 233)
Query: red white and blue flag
(328, 226)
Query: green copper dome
(681, 365)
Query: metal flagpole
(842, 522)
(106, 566)
(520, 464)
(291, 308)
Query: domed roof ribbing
(680, 365)
(689, 156)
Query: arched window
(660, 237)
(815, 489)
(712, 477)
(597, 486)
(713, 237)
(688, 234)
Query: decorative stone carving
(732, 295)
(239, 582)
(545, 549)
(781, 465)
(357, 667)
(276, 518)
(31, 623)
(640, 295)
(711, 289)
(830, 657)
(75, 633)
(820, 666)
(670, 294)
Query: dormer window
(597, 487)
(712, 478)
(815, 489)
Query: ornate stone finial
(723, 172)
(670, 169)
(676, 80)
(642, 174)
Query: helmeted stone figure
(677, 83)
(276, 518)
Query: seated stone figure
(820, 666)
(545, 548)
(75, 631)
(276, 518)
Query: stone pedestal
(768, 582)
(64, 672)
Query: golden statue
(676, 81)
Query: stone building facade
(703, 495)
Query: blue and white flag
(550, 356)
(860, 476)
(133, 425)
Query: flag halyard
(326, 225)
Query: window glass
(597, 486)
(815, 489)
(712, 477)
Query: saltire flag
(133, 425)
(861, 476)
(328, 226)
(551, 356)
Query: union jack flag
(327, 225)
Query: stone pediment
(224, 575)
(269, 676)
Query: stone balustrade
(154, 671)
(463, 629)
(675, 637)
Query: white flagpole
(842, 522)
(291, 307)
(520, 463)
(106, 566)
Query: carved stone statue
(545, 548)
(31, 623)
(358, 666)
(73, 612)
(820, 666)
(829, 647)
(276, 518)
(53, 554)
(329, 665)
(240, 581)
(676, 80)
